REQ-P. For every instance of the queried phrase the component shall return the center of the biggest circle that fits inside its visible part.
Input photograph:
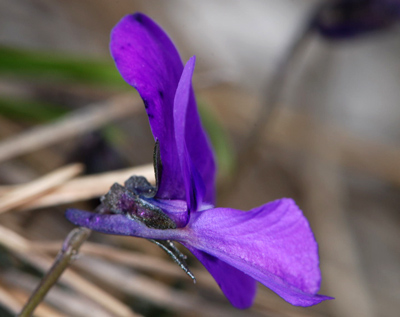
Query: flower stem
(67, 254)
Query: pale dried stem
(81, 121)
(53, 160)
(43, 309)
(133, 259)
(292, 131)
(29, 191)
(67, 302)
(296, 132)
(69, 250)
(148, 263)
(88, 187)
(71, 125)
(156, 292)
(22, 248)
(7, 189)
(8, 301)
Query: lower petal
(238, 287)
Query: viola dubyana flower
(272, 244)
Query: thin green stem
(67, 254)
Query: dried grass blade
(23, 249)
(137, 260)
(76, 123)
(27, 192)
(88, 187)
(7, 300)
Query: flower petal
(238, 287)
(272, 243)
(194, 186)
(149, 61)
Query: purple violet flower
(342, 19)
(272, 244)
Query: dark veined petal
(194, 186)
(238, 287)
(149, 61)
(272, 243)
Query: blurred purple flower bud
(341, 19)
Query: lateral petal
(238, 287)
(272, 243)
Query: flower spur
(272, 244)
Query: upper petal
(272, 243)
(149, 61)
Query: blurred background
(300, 99)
